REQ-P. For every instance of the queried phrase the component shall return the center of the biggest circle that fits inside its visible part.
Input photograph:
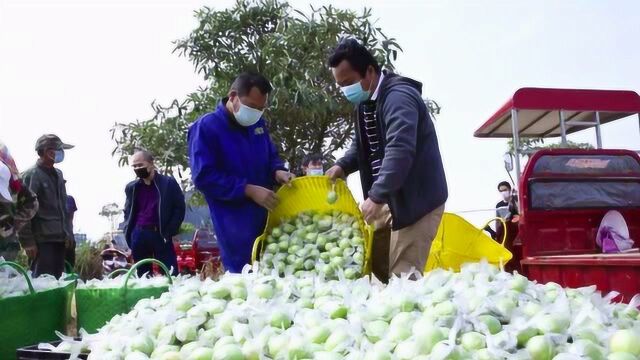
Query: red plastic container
(185, 257)
(205, 248)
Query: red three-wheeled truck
(565, 193)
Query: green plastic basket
(33, 318)
(95, 307)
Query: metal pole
(598, 134)
(563, 129)
(516, 142)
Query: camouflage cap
(51, 141)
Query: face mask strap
(370, 82)
(52, 158)
(239, 104)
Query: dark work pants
(150, 244)
(50, 259)
(70, 254)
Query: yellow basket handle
(504, 226)
(254, 251)
(368, 246)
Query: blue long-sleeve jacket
(224, 158)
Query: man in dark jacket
(396, 151)
(235, 165)
(506, 209)
(153, 213)
(48, 234)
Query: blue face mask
(59, 156)
(247, 116)
(315, 172)
(355, 93)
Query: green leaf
(289, 46)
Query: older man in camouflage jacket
(49, 233)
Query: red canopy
(538, 111)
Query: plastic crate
(33, 353)
(619, 272)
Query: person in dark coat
(153, 213)
(396, 151)
(506, 208)
(48, 234)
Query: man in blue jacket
(235, 165)
(395, 150)
(153, 213)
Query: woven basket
(309, 193)
(33, 318)
(95, 307)
(458, 242)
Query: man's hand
(32, 251)
(6, 228)
(261, 196)
(284, 177)
(371, 211)
(335, 173)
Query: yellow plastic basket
(310, 193)
(458, 242)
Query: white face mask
(505, 195)
(5, 178)
(315, 172)
(247, 116)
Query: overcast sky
(76, 67)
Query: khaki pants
(397, 252)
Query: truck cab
(565, 193)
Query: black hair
(504, 183)
(356, 54)
(311, 158)
(248, 80)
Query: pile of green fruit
(479, 313)
(320, 243)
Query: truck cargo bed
(619, 272)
